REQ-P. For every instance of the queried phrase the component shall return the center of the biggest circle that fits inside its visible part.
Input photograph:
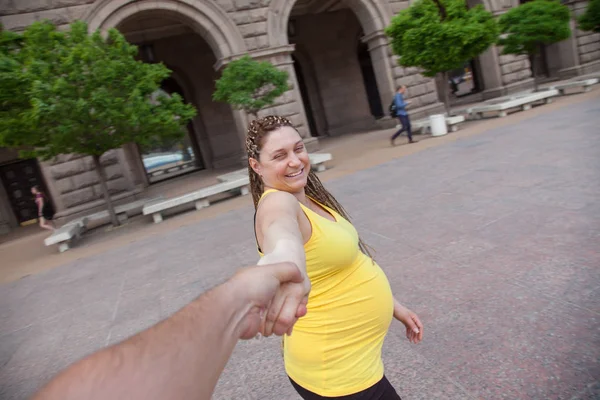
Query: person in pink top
(45, 209)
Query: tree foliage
(74, 92)
(441, 35)
(590, 20)
(441, 39)
(78, 93)
(538, 22)
(250, 85)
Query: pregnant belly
(344, 328)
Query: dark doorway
(18, 178)
(539, 63)
(464, 81)
(370, 81)
(305, 97)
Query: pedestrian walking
(399, 108)
(45, 209)
(335, 349)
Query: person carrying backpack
(398, 110)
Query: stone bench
(199, 197)
(585, 85)
(318, 160)
(424, 125)
(123, 211)
(232, 176)
(522, 101)
(64, 235)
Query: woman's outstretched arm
(281, 240)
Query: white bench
(122, 211)
(75, 228)
(522, 101)
(318, 160)
(424, 125)
(232, 176)
(199, 197)
(585, 85)
(64, 235)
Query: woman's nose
(294, 160)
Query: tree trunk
(534, 69)
(102, 175)
(445, 92)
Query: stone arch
(204, 16)
(373, 15)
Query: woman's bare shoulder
(280, 203)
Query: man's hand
(265, 288)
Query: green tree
(531, 25)
(250, 85)
(590, 20)
(73, 92)
(441, 35)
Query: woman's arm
(281, 240)
(414, 327)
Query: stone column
(289, 104)
(563, 57)
(378, 47)
(490, 73)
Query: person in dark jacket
(402, 115)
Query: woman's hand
(257, 287)
(414, 327)
(289, 303)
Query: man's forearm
(180, 358)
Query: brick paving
(493, 239)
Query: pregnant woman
(335, 350)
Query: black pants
(382, 390)
(405, 121)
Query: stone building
(342, 75)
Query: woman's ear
(255, 165)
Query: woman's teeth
(296, 174)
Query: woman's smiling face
(283, 162)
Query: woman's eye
(278, 156)
(299, 148)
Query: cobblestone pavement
(493, 240)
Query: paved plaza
(494, 240)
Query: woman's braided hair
(257, 130)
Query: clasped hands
(272, 297)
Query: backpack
(393, 109)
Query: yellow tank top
(335, 350)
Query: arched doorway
(343, 72)
(191, 38)
(353, 79)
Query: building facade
(342, 77)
